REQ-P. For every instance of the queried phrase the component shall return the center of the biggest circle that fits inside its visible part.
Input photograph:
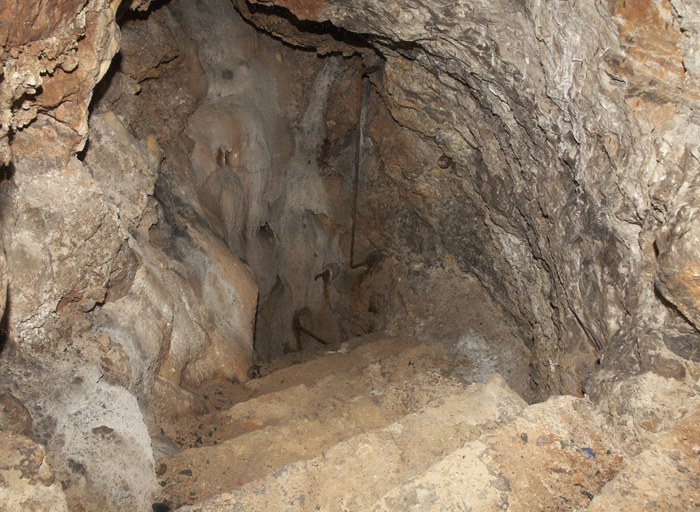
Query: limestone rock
(644, 406)
(187, 317)
(40, 64)
(58, 206)
(253, 167)
(172, 402)
(28, 483)
(163, 446)
(572, 133)
(567, 148)
(162, 48)
(659, 477)
(77, 243)
(353, 473)
(556, 454)
(14, 416)
(679, 269)
(105, 419)
(125, 167)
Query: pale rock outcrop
(253, 166)
(28, 484)
(92, 314)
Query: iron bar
(358, 140)
(326, 275)
(299, 328)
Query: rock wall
(144, 240)
(572, 133)
(110, 308)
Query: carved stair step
(374, 371)
(361, 354)
(229, 465)
(353, 474)
(554, 456)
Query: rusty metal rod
(358, 139)
(299, 328)
(326, 275)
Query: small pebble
(187, 472)
(444, 161)
(161, 469)
(523, 436)
(588, 453)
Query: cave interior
(198, 197)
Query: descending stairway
(386, 427)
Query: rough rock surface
(14, 416)
(572, 134)
(27, 482)
(554, 456)
(133, 317)
(644, 406)
(661, 477)
(548, 148)
(41, 72)
(351, 474)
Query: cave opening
(299, 229)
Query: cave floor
(384, 423)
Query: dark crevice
(674, 309)
(354, 39)
(7, 172)
(125, 13)
(103, 85)
(5, 323)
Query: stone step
(554, 456)
(352, 474)
(317, 350)
(360, 355)
(229, 465)
(374, 371)
(662, 477)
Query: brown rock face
(42, 72)
(23, 22)
(28, 483)
(14, 416)
(563, 125)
